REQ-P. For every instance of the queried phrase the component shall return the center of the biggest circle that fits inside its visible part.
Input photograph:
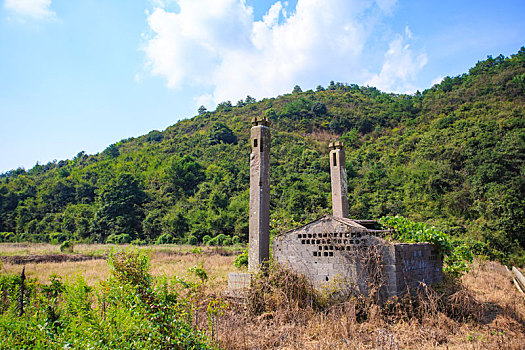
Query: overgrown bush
(241, 260)
(456, 253)
(164, 239)
(67, 247)
(128, 311)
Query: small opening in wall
(309, 235)
(318, 241)
(255, 143)
(299, 236)
(262, 144)
(315, 253)
(334, 157)
(326, 278)
(330, 253)
(325, 253)
(320, 247)
(302, 241)
(307, 241)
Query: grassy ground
(486, 312)
(166, 260)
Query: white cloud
(400, 66)
(387, 5)
(39, 9)
(437, 80)
(217, 45)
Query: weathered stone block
(238, 281)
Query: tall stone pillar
(339, 184)
(259, 226)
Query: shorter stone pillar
(338, 176)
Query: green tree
(220, 132)
(202, 110)
(121, 209)
(184, 175)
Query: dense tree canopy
(452, 156)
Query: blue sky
(80, 75)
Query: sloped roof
(348, 222)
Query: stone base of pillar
(239, 281)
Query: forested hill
(452, 156)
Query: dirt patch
(55, 258)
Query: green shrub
(219, 240)
(138, 241)
(206, 239)
(227, 241)
(123, 238)
(456, 253)
(164, 239)
(67, 247)
(236, 240)
(192, 240)
(241, 260)
(199, 271)
(196, 250)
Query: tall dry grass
(482, 311)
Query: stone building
(350, 254)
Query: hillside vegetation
(451, 156)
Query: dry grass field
(166, 260)
(484, 311)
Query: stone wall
(417, 263)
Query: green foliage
(199, 271)
(123, 238)
(202, 110)
(67, 247)
(128, 311)
(220, 132)
(121, 208)
(241, 260)
(184, 175)
(164, 239)
(456, 253)
(112, 151)
(297, 89)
